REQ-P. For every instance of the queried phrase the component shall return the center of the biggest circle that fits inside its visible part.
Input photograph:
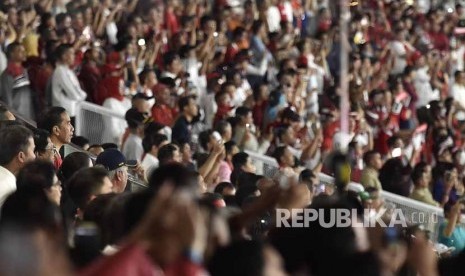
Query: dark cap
(112, 159)
(134, 118)
(142, 96)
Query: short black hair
(242, 111)
(143, 75)
(85, 183)
(204, 138)
(151, 140)
(222, 186)
(391, 141)
(278, 153)
(61, 50)
(109, 146)
(80, 141)
(184, 101)
(204, 19)
(166, 153)
(36, 176)
(221, 126)
(51, 118)
(239, 159)
(13, 140)
(169, 57)
(228, 146)
(368, 156)
(175, 173)
(41, 140)
(417, 172)
(11, 48)
(72, 163)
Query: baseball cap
(142, 96)
(112, 159)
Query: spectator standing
(15, 88)
(66, 90)
(132, 148)
(182, 127)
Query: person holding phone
(450, 232)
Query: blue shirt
(456, 239)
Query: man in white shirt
(16, 148)
(458, 93)
(151, 143)
(132, 148)
(66, 90)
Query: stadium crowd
(200, 84)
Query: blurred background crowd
(202, 86)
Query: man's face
(249, 166)
(29, 154)
(289, 137)
(19, 54)
(192, 108)
(68, 57)
(288, 158)
(65, 129)
(377, 161)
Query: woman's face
(54, 192)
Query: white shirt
(400, 61)
(3, 61)
(150, 163)
(423, 87)
(273, 17)
(114, 126)
(7, 184)
(458, 93)
(133, 149)
(66, 90)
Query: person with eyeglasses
(44, 148)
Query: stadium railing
(134, 183)
(99, 124)
(90, 122)
(414, 212)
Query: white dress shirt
(66, 90)
(7, 184)
(132, 148)
(114, 126)
(150, 163)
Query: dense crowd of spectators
(200, 84)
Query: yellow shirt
(424, 195)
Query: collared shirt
(66, 90)
(424, 195)
(370, 179)
(133, 149)
(150, 163)
(7, 184)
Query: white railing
(99, 124)
(414, 211)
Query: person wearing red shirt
(161, 111)
(90, 73)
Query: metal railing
(415, 212)
(134, 183)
